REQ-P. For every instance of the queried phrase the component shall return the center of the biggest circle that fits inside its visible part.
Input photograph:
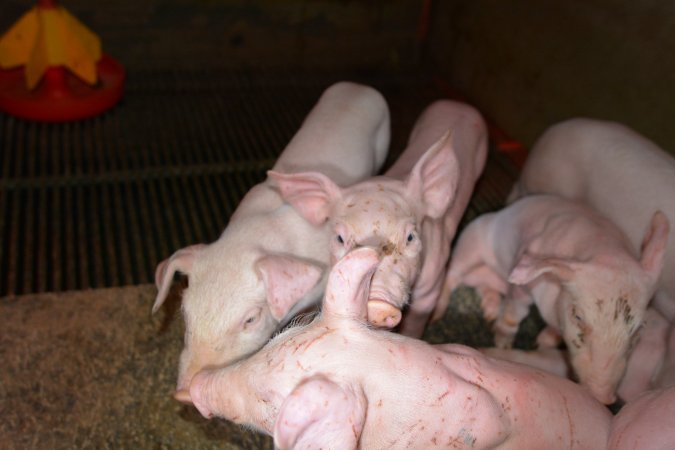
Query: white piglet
(591, 288)
(269, 262)
(618, 172)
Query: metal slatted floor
(98, 203)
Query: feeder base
(72, 99)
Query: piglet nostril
(382, 314)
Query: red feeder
(62, 74)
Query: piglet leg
(490, 286)
(516, 306)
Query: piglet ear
(654, 245)
(181, 261)
(310, 193)
(349, 284)
(433, 181)
(529, 268)
(287, 280)
(319, 413)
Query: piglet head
(232, 306)
(296, 387)
(602, 305)
(383, 213)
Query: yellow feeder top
(49, 37)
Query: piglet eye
(340, 240)
(252, 319)
(410, 237)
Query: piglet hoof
(490, 304)
(382, 314)
(548, 338)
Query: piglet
(411, 213)
(618, 172)
(269, 262)
(588, 283)
(323, 386)
(647, 422)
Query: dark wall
(527, 63)
(530, 63)
(248, 33)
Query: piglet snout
(602, 394)
(383, 314)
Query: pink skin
(323, 386)
(646, 361)
(645, 423)
(411, 213)
(646, 369)
(666, 377)
(620, 173)
(577, 267)
(269, 262)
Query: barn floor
(88, 209)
